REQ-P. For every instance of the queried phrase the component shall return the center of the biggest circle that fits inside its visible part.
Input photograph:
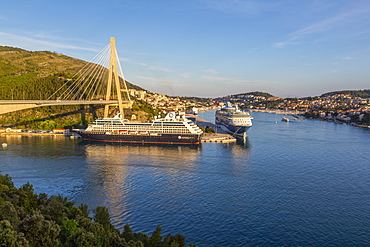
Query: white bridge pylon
(101, 78)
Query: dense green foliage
(207, 129)
(29, 219)
(142, 106)
(36, 71)
(354, 93)
(50, 117)
(196, 99)
(258, 93)
(366, 119)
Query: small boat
(4, 144)
(285, 119)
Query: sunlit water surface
(302, 183)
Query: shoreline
(38, 134)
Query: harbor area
(219, 136)
(21, 132)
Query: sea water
(297, 183)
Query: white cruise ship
(233, 120)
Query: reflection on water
(121, 170)
(112, 153)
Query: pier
(219, 136)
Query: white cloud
(211, 71)
(154, 79)
(31, 43)
(215, 78)
(186, 75)
(123, 59)
(241, 7)
(325, 25)
(151, 67)
(283, 44)
(232, 81)
(233, 6)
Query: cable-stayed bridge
(101, 81)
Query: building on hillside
(139, 94)
(61, 131)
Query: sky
(207, 48)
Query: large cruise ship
(171, 129)
(233, 120)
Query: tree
(127, 233)
(56, 221)
(9, 237)
(156, 237)
(68, 228)
(9, 213)
(38, 231)
(102, 217)
(84, 209)
(28, 199)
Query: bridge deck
(7, 106)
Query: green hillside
(18, 66)
(354, 93)
(37, 75)
(258, 93)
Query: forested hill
(255, 93)
(355, 93)
(34, 75)
(19, 66)
(25, 74)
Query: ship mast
(113, 76)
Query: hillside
(20, 66)
(354, 93)
(25, 74)
(244, 95)
(37, 75)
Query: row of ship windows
(240, 121)
(182, 130)
(136, 128)
(159, 132)
(140, 124)
(235, 121)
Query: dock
(219, 136)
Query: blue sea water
(298, 183)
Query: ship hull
(232, 129)
(190, 139)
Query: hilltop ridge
(19, 66)
(22, 72)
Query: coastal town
(341, 108)
(338, 107)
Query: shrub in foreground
(29, 219)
